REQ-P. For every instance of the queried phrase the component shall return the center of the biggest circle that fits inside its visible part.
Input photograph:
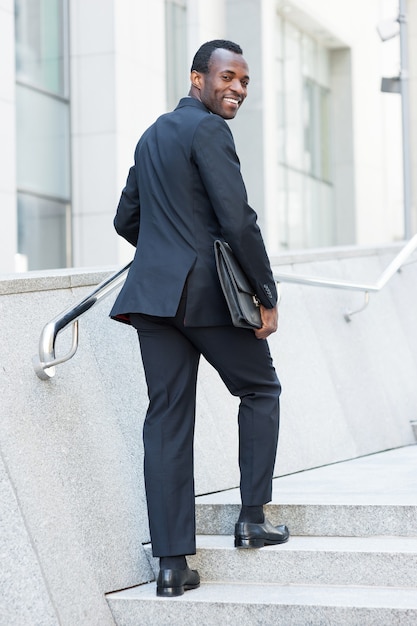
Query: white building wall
(205, 21)
(118, 87)
(93, 130)
(8, 230)
(376, 117)
(377, 128)
(140, 84)
(412, 33)
(140, 73)
(117, 90)
(367, 137)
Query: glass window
(324, 117)
(42, 134)
(40, 44)
(323, 69)
(296, 209)
(280, 100)
(282, 221)
(319, 220)
(43, 143)
(309, 56)
(279, 43)
(176, 51)
(293, 97)
(279, 84)
(316, 130)
(303, 139)
(42, 232)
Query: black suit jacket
(184, 191)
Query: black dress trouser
(170, 354)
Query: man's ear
(196, 79)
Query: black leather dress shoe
(249, 535)
(173, 582)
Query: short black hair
(202, 57)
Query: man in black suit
(184, 191)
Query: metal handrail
(386, 275)
(45, 362)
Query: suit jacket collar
(193, 102)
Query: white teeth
(232, 100)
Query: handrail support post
(348, 314)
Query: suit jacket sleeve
(219, 167)
(127, 219)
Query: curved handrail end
(45, 368)
(41, 371)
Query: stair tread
(352, 557)
(306, 595)
(380, 543)
(387, 479)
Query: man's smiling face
(224, 88)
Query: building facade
(319, 143)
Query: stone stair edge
(405, 595)
(309, 543)
(279, 605)
(372, 543)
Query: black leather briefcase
(240, 298)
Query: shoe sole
(256, 543)
(172, 592)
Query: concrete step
(351, 559)
(328, 519)
(373, 495)
(266, 605)
(373, 561)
